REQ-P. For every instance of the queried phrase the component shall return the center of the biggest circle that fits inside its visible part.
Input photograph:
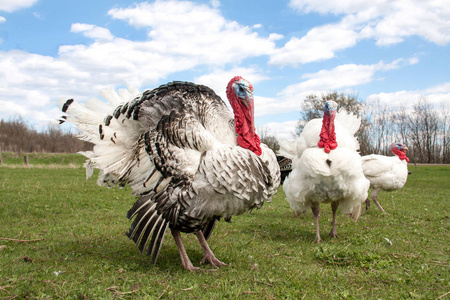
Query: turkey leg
(367, 204)
(333, 232)
(208, 255)
(375, 199)
(185, 261)
(315, 208)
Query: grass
(11, 159)
(66, 240)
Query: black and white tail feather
(175, 146)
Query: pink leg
(375, 199)
(333, 232)
(315, 208)
(185, 261)
(208, 256)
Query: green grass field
(63, 237)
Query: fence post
(1, 159)
(25, 158)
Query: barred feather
(175, 146)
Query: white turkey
(326, 167)
(386, 173)
(188, 160)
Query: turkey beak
(405, 148)
(248, 99)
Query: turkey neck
(328, 133)
(244, 122)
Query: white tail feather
(350, 121)
(115, 146)
(287, 148)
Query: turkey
(188, 160)
(326, 167)
(386, 173)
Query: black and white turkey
(326, 167)
(386, 173)
(188, 160)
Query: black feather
(116, 112)
(124, 108)
(108, 120)
(207, 230)
(329, 162)
(137, 206)
(66, 105)
(136, 113)
(142, 236)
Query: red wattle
(328, 134)
(402, 155)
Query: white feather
(385, 173)
(320, 177)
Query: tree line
(17, 136)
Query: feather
(176, 147)
(385, 173)
(207, 230)
(319, 176)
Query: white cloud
(334, 6)
(282, 130)
(196, 32)
(350, 75)
(342, 78)
(13, 5)
(436, 95)
(2, 19)
(38, 16)
(387, 22)
(215, 3)
(92, 31)
(319, 43)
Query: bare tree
(17, 136)
(267, 138)
(423, 131)
(445, 152)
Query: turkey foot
(208, 255)
(333, 233)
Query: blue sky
(387, 52)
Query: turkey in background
(386, 173)
(326, 167)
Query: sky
(389, 52)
